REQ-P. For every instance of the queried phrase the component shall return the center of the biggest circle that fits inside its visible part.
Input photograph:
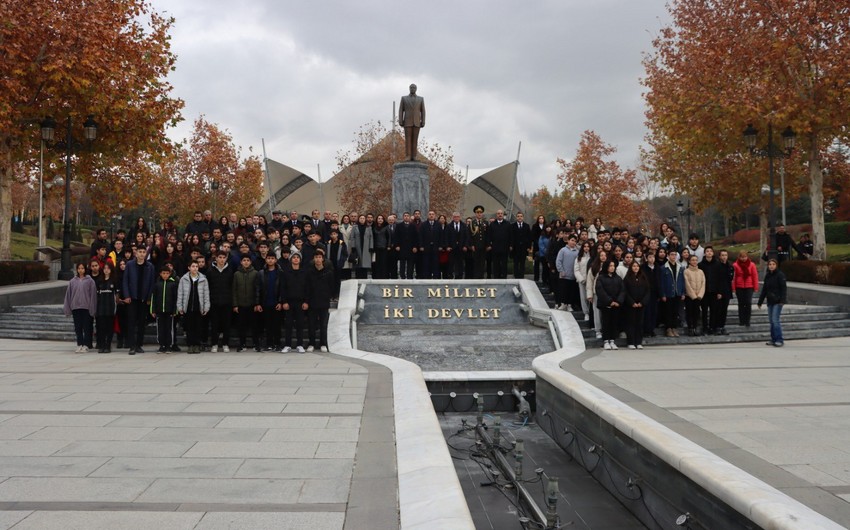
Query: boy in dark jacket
(320, 281)
(246, 303)
(294, 295)
(220, 280)
(163, 309)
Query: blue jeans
(773, 312)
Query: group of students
(261, 274)
(632, 284)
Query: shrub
(821, 272)
(18, 272)
(750, 235)
(837, 233)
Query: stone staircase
(798, 322)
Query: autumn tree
(725, 63)
(209, 156)
(71, 59)
(364, 174)
(593, 185)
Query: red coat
(746, 275)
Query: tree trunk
(816, 195)
(5, 200)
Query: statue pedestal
(411, 187)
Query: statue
(411, 116)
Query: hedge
(18, 272)
(838, 233)
(821, 272)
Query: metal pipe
(503, 464)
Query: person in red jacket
(744, 284)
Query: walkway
(210, 441)
(781, 414)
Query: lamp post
(771, 152)
(688, 213)
(48, 130)
(214, 185)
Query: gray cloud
(306, 75)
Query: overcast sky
(306, 75)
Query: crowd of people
(265, 275)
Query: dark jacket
(712, 278)
(130, 286)
(221, 285)
(320, 287)
(107, 290)
(164, 299)
(653, 277)
(406, 239)
(637, 290)
(246, 291)
(609, 289)
(521, 241)
(262, 280)
(725, 273)
(295, 286)
(774, 288)
(499, 237)
(430, 236)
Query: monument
(411, 184)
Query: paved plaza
(207, 441)
(781, 414)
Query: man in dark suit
(520, 245)
(499, 245)
(406, 246)
(430, 245)
(457, 243)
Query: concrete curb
(429, 492)
(761, 503)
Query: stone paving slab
(781, 414)
(212, 441)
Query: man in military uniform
(478, 243)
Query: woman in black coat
(610, 296)
(638, 296)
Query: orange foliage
(364, 175)
(99, 57)
(610, 191)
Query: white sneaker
(598, 334)
(614, 345)
(79, 349)
(300, 349)
(214, 348)
(286, 349)
(632, 347)
(323, 349)
(310, 348)
(225, 348)
(85, 349)
(607, 345)
(640, 346)
(587, 317)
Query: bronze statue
(411, 116)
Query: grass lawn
(23, 246)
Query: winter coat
(262, 281)
(694, 283)
(653, 276)
(672, 285)
(221, 285)
(609, 288)
(320, 287)
(638, 290)
(580, 269)
(164, 298)
(381, 237)
(130, 286)
(746, 275)
(295, 287)
(246, 292)
(364, 245)
(725, 274)
(774, 289)
(184, 292)
(712, 278)
(81, 294)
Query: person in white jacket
(597, 264)
(193, 301)
(580, 268)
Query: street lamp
(688, 213)
(214, 185)
(771, 152)
(48, 129)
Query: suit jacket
(499, 237)
(457, 239)
(411, 111)
(406, 238)
(429, 236)
(520, 238)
